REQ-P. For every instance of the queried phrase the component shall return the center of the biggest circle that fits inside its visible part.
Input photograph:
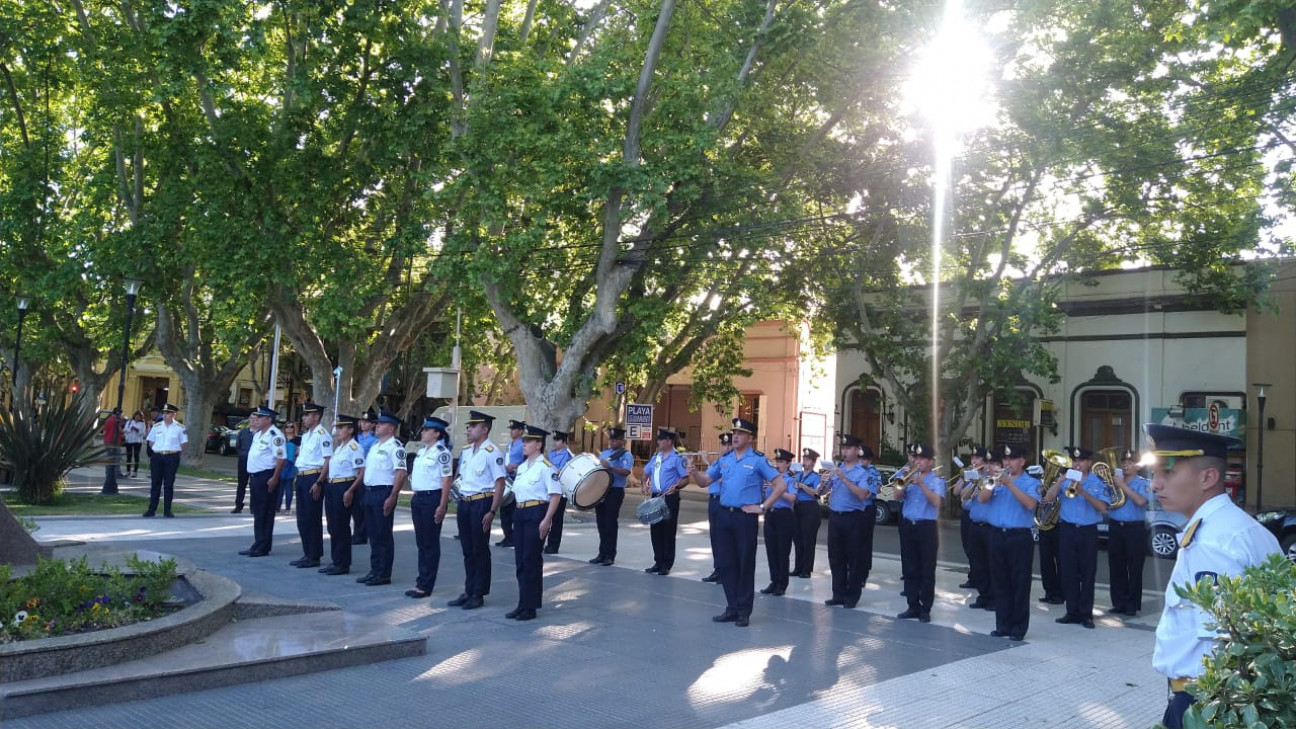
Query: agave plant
(40, 446)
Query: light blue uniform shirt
(366, 440)
(840, 498)
(1130, 511)
(1078, 510)
(978, 511)
(1005, 511)
(779, 503)
(811, 479)
(515, 456)
(559, 457)
(663, 472)
(743, 476)
(915, 506)
(625, 460)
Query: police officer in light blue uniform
(713, 508)
(743, 473)
(386, 469)
(974, 531)
(920, 505)
(345, 486)
(513, 460)
(1078, 521)
(1220, 539)
(1010, 502)
(365, 439)
(535, 484)
(430, 479)
(559, 456)
(664, 476)
(779, 526)
(619, 461)
(482, 476)
(805, 538)
(852, 485)
(1127, 537)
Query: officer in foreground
(1220, 539)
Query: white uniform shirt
(479, 468)
(1227, 540)
(432, 466)
(536, 480)
(347, 461)
(385, 458)
(267, 448)
(316, 445)
(165, 437)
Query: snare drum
(584, 481)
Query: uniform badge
(359, 462)
(444, 458)
(325, 444)
(1214, 577)
(278, 440)
(554, 475)
(499, 461)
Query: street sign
(620, 388)
(639, 420)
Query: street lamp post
(23, 303)
(1260, 398)
(110, 477)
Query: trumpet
(899, 483)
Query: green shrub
(1249, 680)
(41, 446)
(59, 597)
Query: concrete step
(245, 651)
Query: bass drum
(584, 481)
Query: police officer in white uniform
(1220, 539)
(538, 493)
(313, 457)
(345, 484)
(384, 475)
(481, 488)
(265, 463)
(430, 480)
(166, 440)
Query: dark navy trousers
(978, 553)
(475, 543)
(162, 475)
(1012, 553)
(779, 526)
(806, 536)
(339, 522)
(1126, 552)
(1078, 547)
(263, 501)
(527, 548)
(606, 514)
(736, 557)
(382, 546)
(850, 551)
(427, 537)
(663, 534)
(310, 518)
(918, 543)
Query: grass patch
(82, 504)
(203, 473)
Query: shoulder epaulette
(489, 448)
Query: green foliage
(41, 445)
(1249, 681)
(59, 597)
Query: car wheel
(224, 448)
(1164, 542)
(883, 514)
(1289, 546)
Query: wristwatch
(762, 507)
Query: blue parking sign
(639, 420)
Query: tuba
(1055, 464)
(1106, 462)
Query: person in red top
(112, 435)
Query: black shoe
(768, 589)
(246, 552)
(966, 585)
(909, 614)
(459, 601)
(848, 604)
(1052, 600)
(366, 578)
(1017, 638)
(742, 621)
(924, 617)
(998, 634)
(375, 582)
(713, 577)
(309, 563)
(597, 560)
(1088, 624)
(652, 570)
(148, 514)
(778, 593)
(607, 562)
(977, 604)
(802, 575)
(259, 554)
(504, 543)
(513, 613)
(297, 562)
(359, 540)
(168, 515)
(664, 571)
(236, 510)
(834, 602)
(328, 570)
(525, 615)
(725, 617)
(417, 594)
(474, 602)
(551, 550)
(1067, 620)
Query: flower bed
(62, 598)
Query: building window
(749, 409)
(1106, 419)
(1012, 423)
(866, 417)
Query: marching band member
(713, 507)
(346, 478)
(430, 480)
(1078, 542)
(852, 485)
(620, 462)
(1127, 537)
(918, 537)
(1220, 539)
(516, 429)
(743, 473)
(536, 487)
(664, 475)
(971, 530)
(806, 514)
(560, 456)
(481, 488)
(1010, 512)
(779, 525)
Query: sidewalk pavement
(617, 647)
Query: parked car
(1164, 528)
(217, 439)
(886, 510)
(230, 446)
(1282, 522)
